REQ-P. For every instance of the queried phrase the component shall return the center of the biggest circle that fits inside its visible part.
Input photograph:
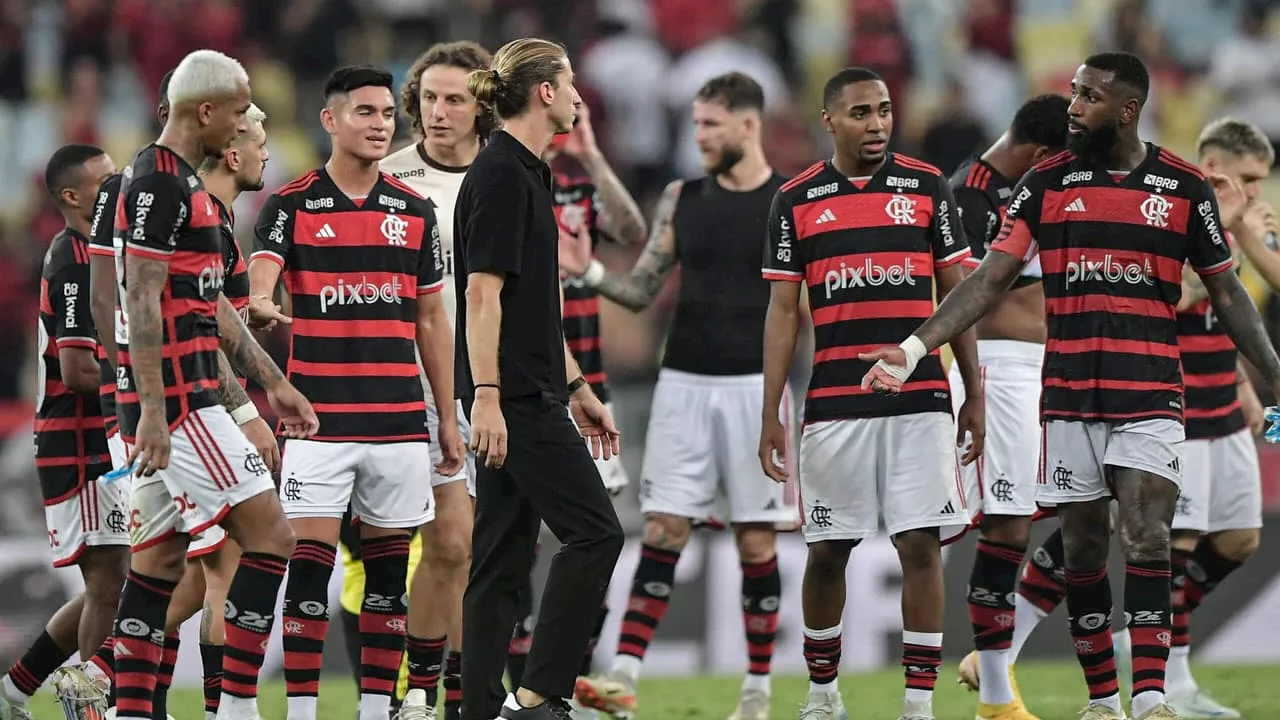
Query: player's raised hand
(1231, 199)
(575, 250)
(151, 444)
(259, 434)
(773, 449)
(582, 140)
(488, 428)
(453, 451)
(971, 421)
(263, 314)
(595, 424)
(297, 418)
(889, 372)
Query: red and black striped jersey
(867, 252)
(68, 426)
(101, 235)
(165, 214)
(1112, 246)
(236, 286)
(1210, 372)
(355, 269)
(578, 205)
(982, 193)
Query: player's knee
(104, 570)
(448, 551)
(918, 549)
(1007, 530)
(1143, 538)
(828, 559)
(1237, 545)
(757, 543)
(666, 532)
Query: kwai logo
(360, 293)
(1110, 270)
(869, 274)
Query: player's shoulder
(300, 190)
(569, 188)
(110, 187)
(976, 177)
(1168, 170)
(394, 195)
(809, 183)
(65, 249)
(156, 166)
(405, 162)
(907, 165)
(1054, 166)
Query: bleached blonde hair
(255, 116)
(203, 74)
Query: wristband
(577, 384)
(245, 413)
(594, 274)
(913, 349)
(495, 386)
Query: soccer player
(85, 514)
(1010, 350)
(1114, 219)
(704, 422)
(867, 234)
(514, 363)
(194, 467)
(359, 252)
(443, 112)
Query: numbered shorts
(81, 510)
(611, 471)
(468, 471)
(703, 434)
(1075, 455)
(1002, 481)
(902, 469)
(1221, 485)
(212, 468)
(388, 485)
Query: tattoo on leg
(206, 623)
(1147, 502)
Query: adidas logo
(826, 217)
(326, 232)
(771, 505)
(948, 509)
(1076, 205)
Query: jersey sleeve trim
(76, 342)
(958, 256)
(141, 251)
(1217, 267)
(431, 288)
(101, 251)
(267, 255)
(781, 275)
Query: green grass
(1054, 691)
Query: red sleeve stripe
(809, 172)
(1051, 162)
(978, 177)
(958, 256)
(299, 185)
(101, 251)
(399, 185)
(76, 342)
(1173, 160)
(782, 275)
(267, 255)
(1215, 269)
(131, 249)
(914, 164)
(434, 287)
(166, 162)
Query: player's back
(722, 299)
(102, 243)
(353, 269)
(983, 194)
(236, 285)
(165, 213)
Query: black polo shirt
(504, 223)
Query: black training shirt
(505, 223)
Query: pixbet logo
(869, 274)
(1110, 270)
(211, 278)
(359, 293)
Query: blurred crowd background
(88, 71)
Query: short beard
(245, 186)
(729, 159)
(1095, 146)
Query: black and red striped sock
(164, 676)
(251, 604)
(211, 663)
(139, 643)
(37, 664)
(1089, 614)
(1147, 606)
(761, 592)
(991, 585)
(822, 655)
(1181, 624)
(1044, 582)
(1205, 569)
(383, 614)
(305, 619)
(650, 595)
(426, 664)
(453, 683)
(921, 659)
(589, 656)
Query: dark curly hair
(465, 55)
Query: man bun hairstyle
(464, 55)
(518, 67)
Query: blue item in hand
(1272, 416)
(116, 474)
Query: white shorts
(704, 431)
(1221, 485)
(902, 468)
(612, 472)
(95, 516)
(1075, 455)
(203, 543)
(1002, 481)
(212, 468)
(388, 485)
(468, 471)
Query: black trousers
(548, 476)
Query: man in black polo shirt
(511, 371)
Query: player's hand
(453, 451)
(773, 449)
(1254, 417)
(151, 444)
(595, 424)
(1259, 219)
(259, 434)
(879, 378)
(488, 428)
(971, 424)
(582, 140)
(297, 418)
(1231, 199)
(575, 250)
(263, 314)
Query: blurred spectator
(877, 42)
(1246, 70)
(955, 136)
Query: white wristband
(245, 413)
(913, 349)
(594, 273)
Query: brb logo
(1110, 270)
(869, 274)
(1156, 210)
(359, 293)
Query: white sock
(829, 688)
(1144, 701)
(759, 683)
(210, 715)
(1177, 673)
(628, 666)
(993, 668)
(12, 693)
(374, 706)
(927, 640)
(1026, 616)
(300, 708)
(1111, 701)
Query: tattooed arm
(243, 351)
(1238, 314)
(971, 299)
(145, 278)
(619, 216)
(230, 394)
(636, 291)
